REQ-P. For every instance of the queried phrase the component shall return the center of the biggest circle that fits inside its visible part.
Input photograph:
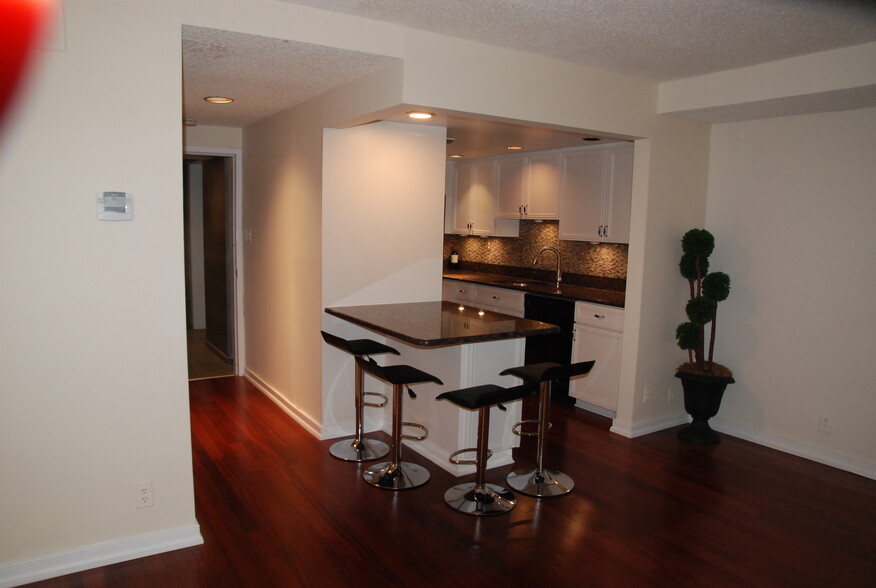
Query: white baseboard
(595, 409)
(632, 430)
(95, 556)
(301, 418)
(849, 463)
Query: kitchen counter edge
(567, 292)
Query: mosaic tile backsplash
(600, 265)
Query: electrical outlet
(670, 396)
(143, 492)
(824, 423)
(646, 395)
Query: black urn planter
(702, 399)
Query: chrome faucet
(559, 271)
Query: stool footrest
(382, 397)
(516, 429)
(415, 437)
(455, 460)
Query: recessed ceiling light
(419, 114)
(514, 148)
(455, 156)
(218, 99)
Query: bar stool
(360, 448)
(396, 474)
(479, 498)
(538, 481)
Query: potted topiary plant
(703, 381)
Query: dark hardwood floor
(276, 510)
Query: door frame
(237, 329)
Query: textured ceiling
(659, 40)
(263, 75)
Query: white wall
(92, 314)
(792, 202)
(382, 235)
(383, 206)
(213, 137)
(282, 212)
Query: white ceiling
(659, 40)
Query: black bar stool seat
(480, 498)
(360, 448)
(539, 481)
(397, 474)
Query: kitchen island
(463, 346)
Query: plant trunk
(712, 340)
(699, 352)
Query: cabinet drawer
(457, 291)
(501, 299)
(599, 315)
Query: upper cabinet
(528, 187)
(474, 210)
(588, 189)
(596, 195)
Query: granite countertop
(566, 291)
(438, 323)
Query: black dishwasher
(558, 347)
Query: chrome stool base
(489, 500)
(353, 450)
(396, 476)
(540, 483)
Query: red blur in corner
(21, 23)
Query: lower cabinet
(598, 335)
(502, 300)
(456, 291)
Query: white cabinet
(598, 335)
(528, 187)
(545, 177)
(596, 195)
(456, 291)
(502, 300)
(474, 198)
(510, 187)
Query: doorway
(208, 197)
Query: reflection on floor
(203, 361)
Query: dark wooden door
(217, 255)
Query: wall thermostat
(115, 206)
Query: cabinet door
(473, 213)
(619, 195)
(600, 386)
(510, 187)
(582, 195)
(543, 186)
